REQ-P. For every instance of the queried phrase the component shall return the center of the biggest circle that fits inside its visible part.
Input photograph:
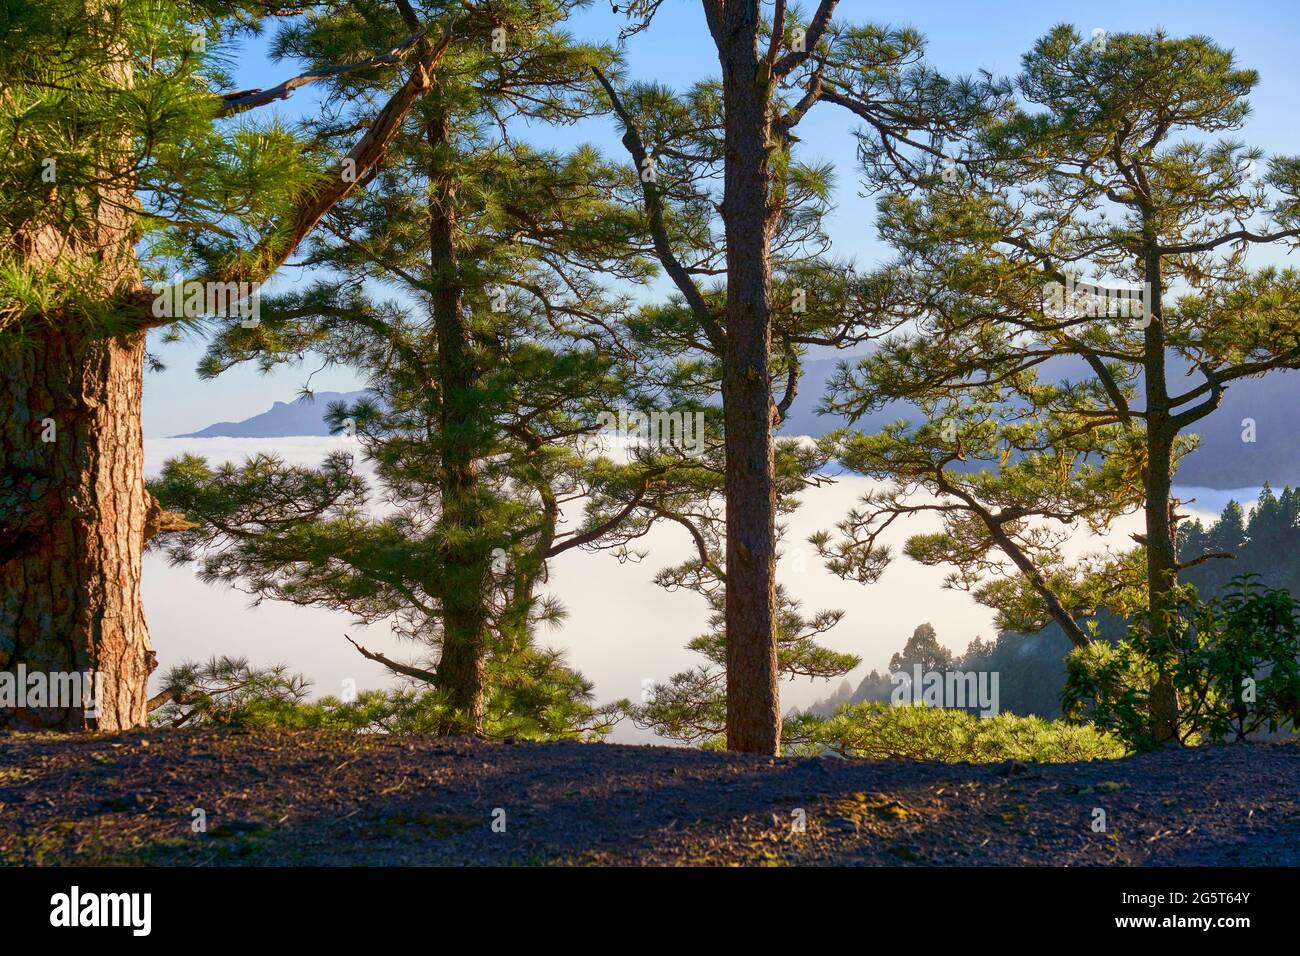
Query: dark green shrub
(1233, 660)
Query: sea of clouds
(621, 628)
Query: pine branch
(428, 677)
(238, 101)
(655, 214)
(276, 247)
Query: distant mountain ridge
(1223, 461)
(304, 416)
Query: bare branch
(791, 382)
(588, 536)
(409, 671)
(816, 29)
(238, 101)
(1241, 235)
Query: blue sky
(676, 50)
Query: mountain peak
(305, 416)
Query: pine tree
(1266, 527)
(741, 133)
(129, 155)
(1229, 532)
(489, 374)
(922, 648)
(1059, 232)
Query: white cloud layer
(621, 628)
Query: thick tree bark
(1162, 562)
(466, 560)
(74, 511)
(73, 517)
(753, 706)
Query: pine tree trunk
(466, 561)
(73, 514)
(1162, 578)
(74, 511)
(753, 707)
(1162, 563)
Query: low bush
(1234, 661)
(535, 698)
(886, 732)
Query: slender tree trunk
(1162, 578)
(467, 563)
(1162, 563)
(73, 516)
(753, 706)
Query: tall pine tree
(1100, 226)
(468, 287)
(127, 144)
(772, 73)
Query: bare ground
(315, 798)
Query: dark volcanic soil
(281, 797)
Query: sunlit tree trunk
(753, 707)
(74, 512)
(74, 521)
